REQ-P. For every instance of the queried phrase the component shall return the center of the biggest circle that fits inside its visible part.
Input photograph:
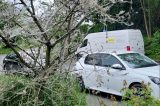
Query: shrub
(143, 98)
(152, 46)
(156, 39)
(55, 91)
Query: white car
(110, 72)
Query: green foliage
(136, 12)
(2, 23)
(84, 28)
(96, 28)
(156, 40)
(143, 99)
(3, 5)
(152, 46)
(78, 39)
(154, 8)
(4, 50)
(23, 42)
(59, 90)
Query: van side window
(93, 59)
(84, 43)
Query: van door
(136, 42)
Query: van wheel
(81, 84)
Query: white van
(123, 40)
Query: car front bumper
(155, 90)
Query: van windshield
(136, 60)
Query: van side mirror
(117, 66)
(84, 43)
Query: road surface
(1, 62)
(102, 99)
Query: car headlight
(155, 80)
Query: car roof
(113, 52)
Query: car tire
(11, 66)
(137, 87)
(8, 66)
(81, 84)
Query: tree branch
(32, 6)
(14, 50)
(35, 20)
(69, 32)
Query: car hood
(148, 71)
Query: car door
(115, 77)
(91, 66)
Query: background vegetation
(142, 97)
(152, 46)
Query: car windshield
(11, 56)
(136, 60)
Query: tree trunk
(149, 20)
(48, 55)
(145, 17)
(67, 40)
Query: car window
(93, 59)
(84, 43)
(11, 56)
(109, 60)
(136, 60)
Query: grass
(57, 90)
(20, 41)
(5, 51)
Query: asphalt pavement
(1, 62)
(103, 99)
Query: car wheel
(137, 88)
(8, 66)
(16, 67)
(81, 84)
(11, 66)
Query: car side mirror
(117, 66)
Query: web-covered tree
(48, 28)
